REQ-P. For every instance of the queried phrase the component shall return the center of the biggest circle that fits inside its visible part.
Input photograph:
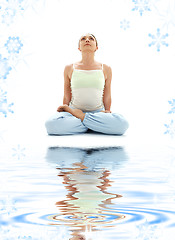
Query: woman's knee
(53, 123)
(120, 123)
(64, 125)
(52, 126)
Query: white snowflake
(5, 108)
(3, 95)
(7, 206)
(18, 152)
(167, 16)
(170, 128)
(13, 45)
(6, 233)
(124, 24)
(158, 40)
(8, 16)
(9, 9)
(172, 103)
(141, 6)
(4, 67)
(25, 237)
(146, 231)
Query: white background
(143, 79)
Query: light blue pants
(64, 123)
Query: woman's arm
(67, 88)
(107, 89)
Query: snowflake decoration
(24, 237)
(10, 8)
(7, 206)
(4, 67)
(170, 128)
(5, 233)
(3, 96)
(5, 107)
(124, 24)
(141, 6)
(8, 16)
(15, 4)
(147, 231)
(172, 103)
(13, 45)
(158, 39)
(167, 14)
(18, 152)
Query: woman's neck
(87, 59)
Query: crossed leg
(108, 123)
(64, 123)
(75, 112)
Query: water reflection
(85, 174)
(93, 158)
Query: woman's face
(87, 43)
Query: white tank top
(87, 87)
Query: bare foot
(63, 108)
(78, 113)
(75, 112)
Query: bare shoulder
(107, 71)
(68, 70)
(107, 67)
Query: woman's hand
(106, 111)
(62, 108)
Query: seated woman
(87, 97)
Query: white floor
(89, 139)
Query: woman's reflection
(86, 178)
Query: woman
(87, 97)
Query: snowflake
(172, 103)
(7, 206)
(141, 6)
(15, 4)
(24, 237)
(3, 96)
(4, 68)
(5, 107)
(170, 128)
(10, 8)
(13, 45)
(18, 152)
(147, 231)
(158, 39)
(8, 16)
(124, 24)
(5, 233)
(167, 14)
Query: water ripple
(93, 189)
(107, 217)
